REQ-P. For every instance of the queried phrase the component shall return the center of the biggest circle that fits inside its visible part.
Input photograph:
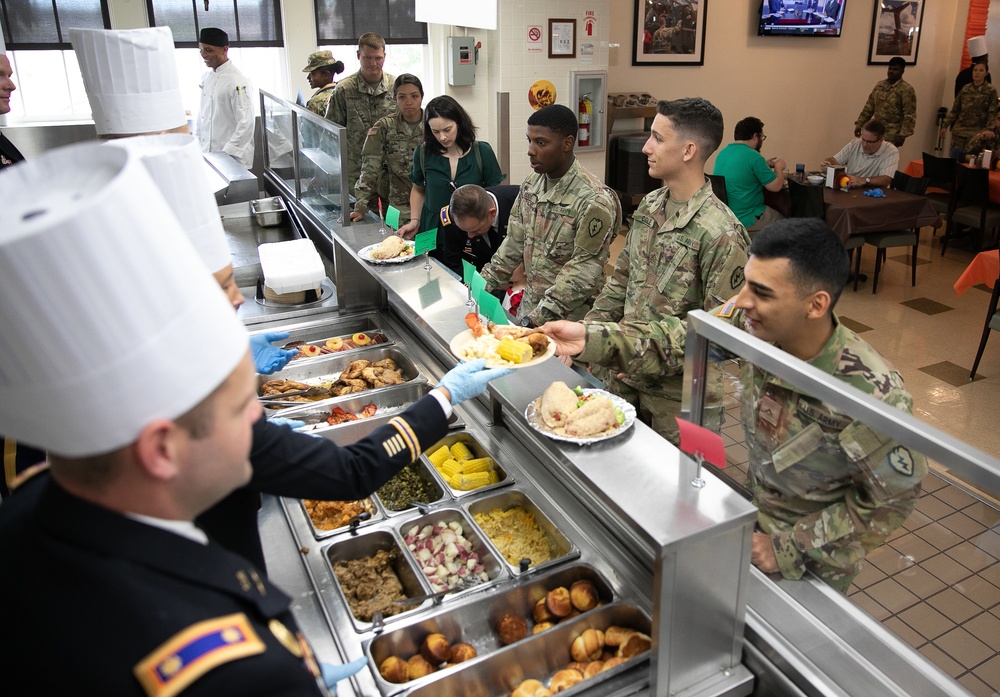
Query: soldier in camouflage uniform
(894, 103)
(685, 251)
(988, 139)
(388, 149)
(322, 66)
(359, 101)
(561, 226)
(827, 487)
(974, 109)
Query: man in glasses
(869, 160)
(747, 174)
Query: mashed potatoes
(484, 346)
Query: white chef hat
(175, 162)
(977, 46)
(131, 79)
(110, 320)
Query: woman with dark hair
(388, 150)
(449, 157)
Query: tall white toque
(131, 79)
(175, 162)
(110, 318)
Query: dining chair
(898, 238)
(941, 173)
(806, 201)
(970, 205)
(992, 324)
(719, 187)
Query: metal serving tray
(268, 211)
(438, 492)
(538, 657)
(318, 336)
(366, 545)
(478, 451)
(319, 533)
(494, 567)
(389, 402)
(560, 546)
(474, 622)
(327, 369)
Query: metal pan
(419, 469)
(478, 451)
(559, 546)
(321, 533)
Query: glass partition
(304, 156)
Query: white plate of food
(523, 347)
(391, 250)
(582, 416)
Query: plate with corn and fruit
(502, 345)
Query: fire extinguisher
(586, 109)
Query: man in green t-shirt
(747, 174)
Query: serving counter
(666, 558)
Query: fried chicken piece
(510, 330)
(595, 416)
(354, 368)
(558, 402)
(385, 363)
(277, 387)
(538, 342)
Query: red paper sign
(698, 439)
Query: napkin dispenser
(834, 177)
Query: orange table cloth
(916, 169)
(985, 268)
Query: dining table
(852, 213)
(916, 169)
(984, 268)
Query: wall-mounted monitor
(801, 17)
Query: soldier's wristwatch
(868, 180)
(525, 322)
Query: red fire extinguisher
(586, 110)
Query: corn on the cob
(481, 464)
(449, 468)
(494, 477)
(460, 451)
(467, 482)
(439, 455)
(514, 351)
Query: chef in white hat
(226, 114)
(131, 80)
(978, 53)
(145, 430)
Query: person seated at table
(987, 139)
(747, 174)
(975, 108)
(869, 160)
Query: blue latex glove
(333, 674)
(269, 358)
(874, 193)
(466, 380)
(291, 423)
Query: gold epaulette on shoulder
(446, 215)
(404, 439)
(194, 651)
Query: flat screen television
(801, 17)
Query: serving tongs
(317, 391)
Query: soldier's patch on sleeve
(373, 130)
(736, 278)
(901, 460)
(446, 215)
(594, 227)
(727, 310)
(891, 467)
(193, 652)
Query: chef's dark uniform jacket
(480, 249)
(9, 154)
(286, 463)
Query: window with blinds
(33, 25)
(249, 23)
(343, 21)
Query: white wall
(808, 91)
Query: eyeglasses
(870, 142)
(762, 137)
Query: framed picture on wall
(669, 32)
(895, 31)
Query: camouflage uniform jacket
(828, 489)
(979, 143)
(321, 97)
(693, 261)
(356, 105)
(563, 236)
(975, 108)
(895, 105)
(388, 150)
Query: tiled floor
(936, 583)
